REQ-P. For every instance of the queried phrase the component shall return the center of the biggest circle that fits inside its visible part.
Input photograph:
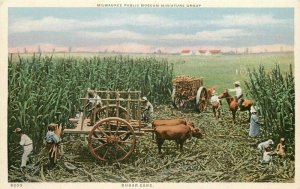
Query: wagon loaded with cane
(113, 136)
(189, 94)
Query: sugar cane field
(44, 89)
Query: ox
(158, 122)
(180, 133)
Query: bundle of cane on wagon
(189, 94)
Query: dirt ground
(226, 154)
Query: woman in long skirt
(254, 125)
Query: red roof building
(215, 51)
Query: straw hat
(270, 142)
(144, 98)
(237, 83)
(252, 110)
(17, 130)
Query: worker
(26, 144)
(147, 111)
(280, 149)
(95, 105)
(238, 93)
(254, 124)
(52, 141)
(216, 104)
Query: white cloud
(58, 24)
(44, 24)
(217, 35)
(115, 34)
(248, 20)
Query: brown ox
(158, 122)
(179, 133)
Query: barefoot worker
(26, 143)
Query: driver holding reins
(238, 92)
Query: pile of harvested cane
(186, 86)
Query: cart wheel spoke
(118, 126)
(126, 142)
(101, 131)
(106, 152)
(109, 128)
(122, 149)
(100, 146)
(98, 138)
(124, 133)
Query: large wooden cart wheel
(176, 101)
(112, 139)
(201, 99)
(111, 111)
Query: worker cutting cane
(52, 139)
(26, 144)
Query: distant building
(186, 52)
(215, 51)
(201, 52)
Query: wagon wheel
(179, 103)
(112, 139)
(112, 112)
(176, 101)
(201, 99)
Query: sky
(147, 30)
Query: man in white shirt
(26, 143)
(267, 155)
(216, 104)
(148, 110)
(238, 92)
(263, 145)
(214, 98)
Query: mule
(233, 104)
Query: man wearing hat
(147, 110)
(26, 143)
(94, 104)
(238, 92)
(263, 145)
(254, 124)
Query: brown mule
(233, 104)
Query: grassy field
(226, 154)
(218, 71)
(222, 71)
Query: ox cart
(113, 136)
(189, 94)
